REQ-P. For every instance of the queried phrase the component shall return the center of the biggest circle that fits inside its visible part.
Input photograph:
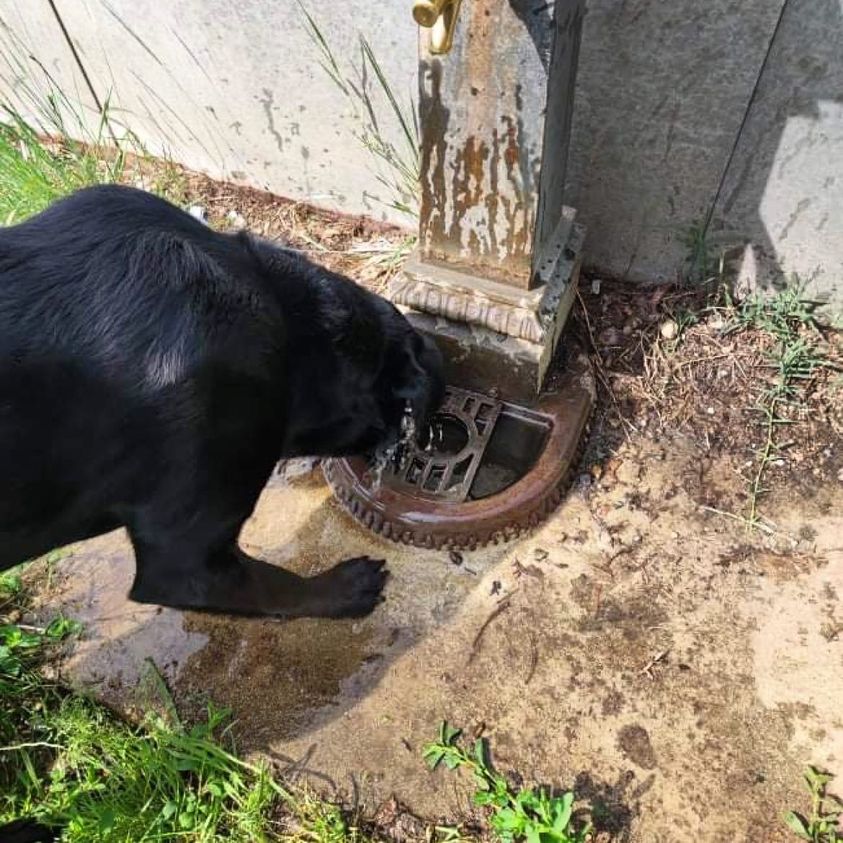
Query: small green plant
(534, 815)
(11, 585)
(823, 823)
(793, 359)
(315, 821)
(19, 643)
(700, 255)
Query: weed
(315, 821)
(795, 355)
(534, 815)
(50, 146)
(700, 256)
(356, 85)
(826, 811)
(68, 762)
(11, 584)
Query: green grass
(70, 762)
(822, 824)
(51, 146)
(34, 173)
(796, 354)
(534, 815)
(67, 761)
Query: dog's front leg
(183, 572)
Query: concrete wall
(231, 88)
(721, 112)
(784, 187)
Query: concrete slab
(676, 670)
(35, 60)
(662, 91)
(236, 89)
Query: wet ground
(678, 670)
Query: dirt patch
(369, 251)
(634, 743)
(707, 379)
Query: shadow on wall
(689, 112)
(783, 192)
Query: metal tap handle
(440, 16)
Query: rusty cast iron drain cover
(496, 470)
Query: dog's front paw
(352, 588)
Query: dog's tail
(27, 831)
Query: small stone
(540, 554)
(710, 410)
(456, 557)
(669, 329)
(199, 213)
(236, 219)
(595, 286)
(596, 471)
(716, 321)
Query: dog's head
(360, 372)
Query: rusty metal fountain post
(499, 253)
(492, 281)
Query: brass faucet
(440, 16)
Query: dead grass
(368, 251)
(710, 379)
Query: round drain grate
(495, 469)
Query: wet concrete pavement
(680, 672)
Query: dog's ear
(336, 310)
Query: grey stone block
(662, 90)
(236, 90)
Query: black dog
(152, 372)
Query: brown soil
(642, 646)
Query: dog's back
(110, 301)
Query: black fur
(152, 372)
(27, 831)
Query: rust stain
(491, 198)
(478, 165)
(434, 119)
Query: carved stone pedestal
(494, 334)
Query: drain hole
(414, 472)
(513, 449)
(459, 472)
(434, 479)
(449, 436)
